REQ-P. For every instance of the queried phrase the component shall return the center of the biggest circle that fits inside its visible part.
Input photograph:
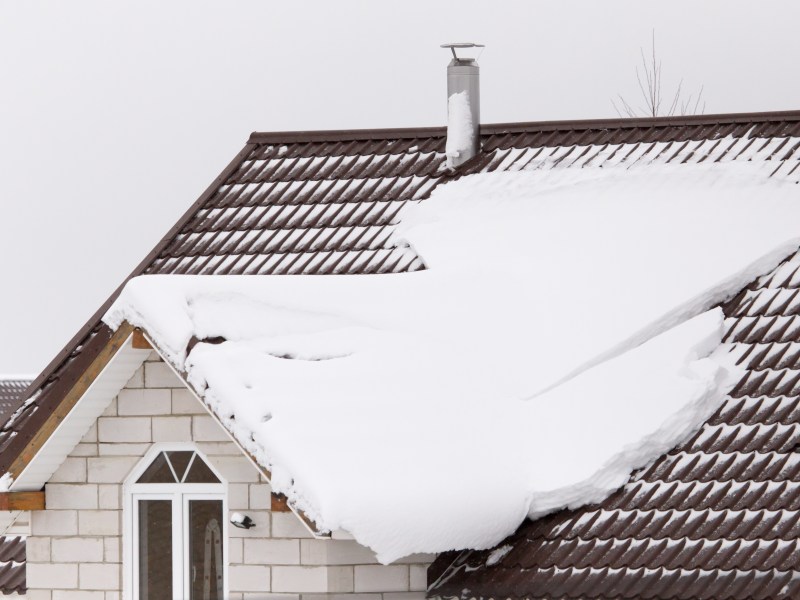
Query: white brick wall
(75, 547)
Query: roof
(325, 203)
(12, 391)
(718, 517)
(12, 565)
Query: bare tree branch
(650, 84)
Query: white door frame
(179, 494)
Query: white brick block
(342, 596)
(238, 496)
(404, 596)
(418, 578)
(77, 595)
(111, 549)
(77, 549)
(100, 577)
(335, 552)
(108, 497)
(299, 579)
(37, 549)
(271, 552)
(340, 579)
(159, 375)
(312, 579)
(172, 429)
(254, 596)
(37, 595)
(144, 402)
(91, 435)
(54, 522)
(249, 578)
(113, 595)
(185, 403)
(206, 429)
(72, 470)
(71, 495)
(110, 469)
(99, 522)
(122, 449)
(52, 576)
(236, 469)
(381, 578)
(111, 409)
(235, 550)
(123, 429)
(260, 496)
(218, 448)
(288, 525)
(137, 379)
(84, 449)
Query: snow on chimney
(463, 107)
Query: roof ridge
(341, 135)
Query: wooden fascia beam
(22, 500)
(139, 341)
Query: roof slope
(324, 203)
(718, 517)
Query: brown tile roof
(12, 565)
(716, 518)
(325, 203)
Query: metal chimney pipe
(463, 107)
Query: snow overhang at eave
(134, 349)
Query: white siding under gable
(83, 415)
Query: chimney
(463, 106)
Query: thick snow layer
(459, 126)
(562, 336)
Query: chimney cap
(454, 45)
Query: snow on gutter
(562, 337)
(316, 533)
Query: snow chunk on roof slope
(562, 337)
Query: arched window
(176, 527)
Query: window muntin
(178, 466)
(177, 532)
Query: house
(141, 482)
(12, 544)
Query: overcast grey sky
(114, 116)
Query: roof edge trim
(345, 135)
(49, 430)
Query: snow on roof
(562, 336)
(12, 388)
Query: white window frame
(179, 494)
